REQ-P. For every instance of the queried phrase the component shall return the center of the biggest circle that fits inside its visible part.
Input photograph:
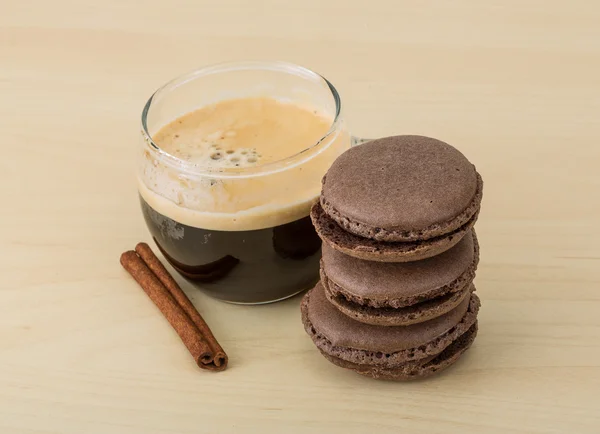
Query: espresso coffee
(240, 231)
(240, 266)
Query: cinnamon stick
(170, 299)
(218, 356)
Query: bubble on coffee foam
(226, 158)
(215, 151)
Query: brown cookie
(371, 250)
(388, 352)
(400, 198)
(416, 370)
(393, 294)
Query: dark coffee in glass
(231, 162)
(258, 265)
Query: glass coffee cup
(230, 164)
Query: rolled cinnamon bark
(162, 289)
(218, 358)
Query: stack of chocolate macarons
(396, 297)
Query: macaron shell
(401, 188)
(344, 332)
(381, 284)
(359, 356)
(370, 250)
(414, 370)
(404, 316)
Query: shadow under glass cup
(241, 234)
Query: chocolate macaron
(404, 293)
(395, 353)
(398, 199)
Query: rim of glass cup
(262, 169)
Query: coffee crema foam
(240, 133)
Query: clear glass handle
(355, 141)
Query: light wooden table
(515, 84)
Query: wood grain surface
(514, 84)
